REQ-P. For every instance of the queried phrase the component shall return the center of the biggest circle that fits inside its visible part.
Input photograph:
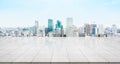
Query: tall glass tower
(58, 25)
(59, 29)
(50, 25)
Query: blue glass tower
(58, 25)
(50, 25)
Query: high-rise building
(46, 31)
(87, 29)
(50, 25)
(100, 30)
(58, 24)
(94, 29)
(69, 27)
(36, 28)
(81, 32)
(69, 22)
(59, 32)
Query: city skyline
(58, 30)
(23, 13)
(55, 21)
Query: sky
(23, 13)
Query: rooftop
(38, 49)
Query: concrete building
(36, 28)
(94, 30)
(114, 30)
(69, 22)
(100, 30)
(69, 27)
(87, 29)
(81, 31)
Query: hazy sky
(19, 13)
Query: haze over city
(23, 13)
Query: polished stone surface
(70, 49)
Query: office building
(59, 29)
(36, 28)
(87, 29)
(114, 29)
(94, 29)
(58, 24)
(69, 27)
(50, 25)
(81, 32)
(100, 30)
(69, 22)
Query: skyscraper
(69, 22)
(100, 30)
(87, 29)
(93, 29)
(69, 27)
(59, 29)
(50, 25)
(36, 28)
(82, 32)
(58, 24)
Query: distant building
(59, 31)
(69, 27)
(75, 32)
(100, 30)
(118, 30)
(58, 24)
(69, 22)
(81, 32)
(1, 33)
(108, 32)
(26, 32)
(36, 28)
(46, 31)
(114, 29)
(94, 29)
(50, 25)
(41, 31)
(87, 29)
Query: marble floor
(70, 49)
